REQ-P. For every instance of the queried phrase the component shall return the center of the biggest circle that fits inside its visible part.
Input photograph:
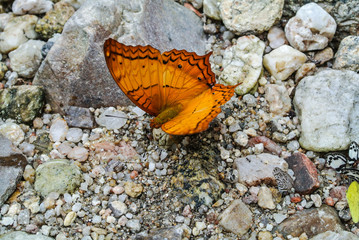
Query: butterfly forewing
(186, 75)
(136, 71)
(336, 161)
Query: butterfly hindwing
(353, 152)
(353, 200)
(336, 161)
(283, 179)
(199, 111)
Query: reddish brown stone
(329, 201)
(338, 192)
(305, 172)
(295, 199)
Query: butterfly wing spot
(179, 66)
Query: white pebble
(58, 130)
(74, 135)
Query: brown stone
(306, 175)
(311, 221)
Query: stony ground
(103, 173)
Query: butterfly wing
(336, 161)
(185, 76)
(138, 72)
(353, 200)
(353, 152)
(198, 112)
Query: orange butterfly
(177, 87)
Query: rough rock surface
(250, 16)
(347, 56)
(326, 104)
(311, 221)
(22, 103)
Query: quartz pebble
(265, 199)
(22, 7)
(78, 153)
(242, 63)
(283, 61)
(13, 132)
(26, 59)
(133, 189)
(312, 28)
(118, 208)
(58, 130)
(74, 135)
(69, 219)
(276, 37)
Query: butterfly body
(177, 87)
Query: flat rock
(173, 233)
(59, 176)
(306, 175)
(77, 58)
(250, 16)
(311, 221)
(326, 106)
(18, 235)
(242, 63)
(237, 218)
(256, 169)
(79, 117)
(22, 103)
(347, 56)
(330, 235)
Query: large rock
(77, 60)
(12, 164)
(257, 169)
(18, 235)
(326, 104)
(311, 221)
